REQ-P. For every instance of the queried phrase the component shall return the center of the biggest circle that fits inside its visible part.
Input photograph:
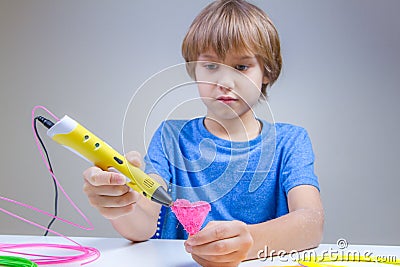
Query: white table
(120, 252)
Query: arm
(300, 229)
(130, 213)
(228, 243)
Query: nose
(226, 80)
(224, 88)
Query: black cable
(54, 181)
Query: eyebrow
(208, 56)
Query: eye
(211, 66)
(242, 67)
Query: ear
(265, 80)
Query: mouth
(226, 99)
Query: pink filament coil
(77, 252)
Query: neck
(236, 129)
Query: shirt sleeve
(156, 161)
(298, 161)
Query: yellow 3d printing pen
(81, 141)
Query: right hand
(107, 191)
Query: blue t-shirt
(246, 181)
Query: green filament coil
(11, 261)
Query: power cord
(41, 119)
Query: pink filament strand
(52, 174)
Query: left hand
(220, 243)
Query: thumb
(134, 158)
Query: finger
(91, 171)
(134, 158)
(114, 202)
(105, 190)
(210, 263)
(97, 177)
(220, 247)
(113, 213)
(212, 232)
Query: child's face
(229, 89)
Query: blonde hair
(235, 25)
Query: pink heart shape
(191, 215)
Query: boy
(285, 211)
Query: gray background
(87, 58)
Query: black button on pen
(119, 161)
